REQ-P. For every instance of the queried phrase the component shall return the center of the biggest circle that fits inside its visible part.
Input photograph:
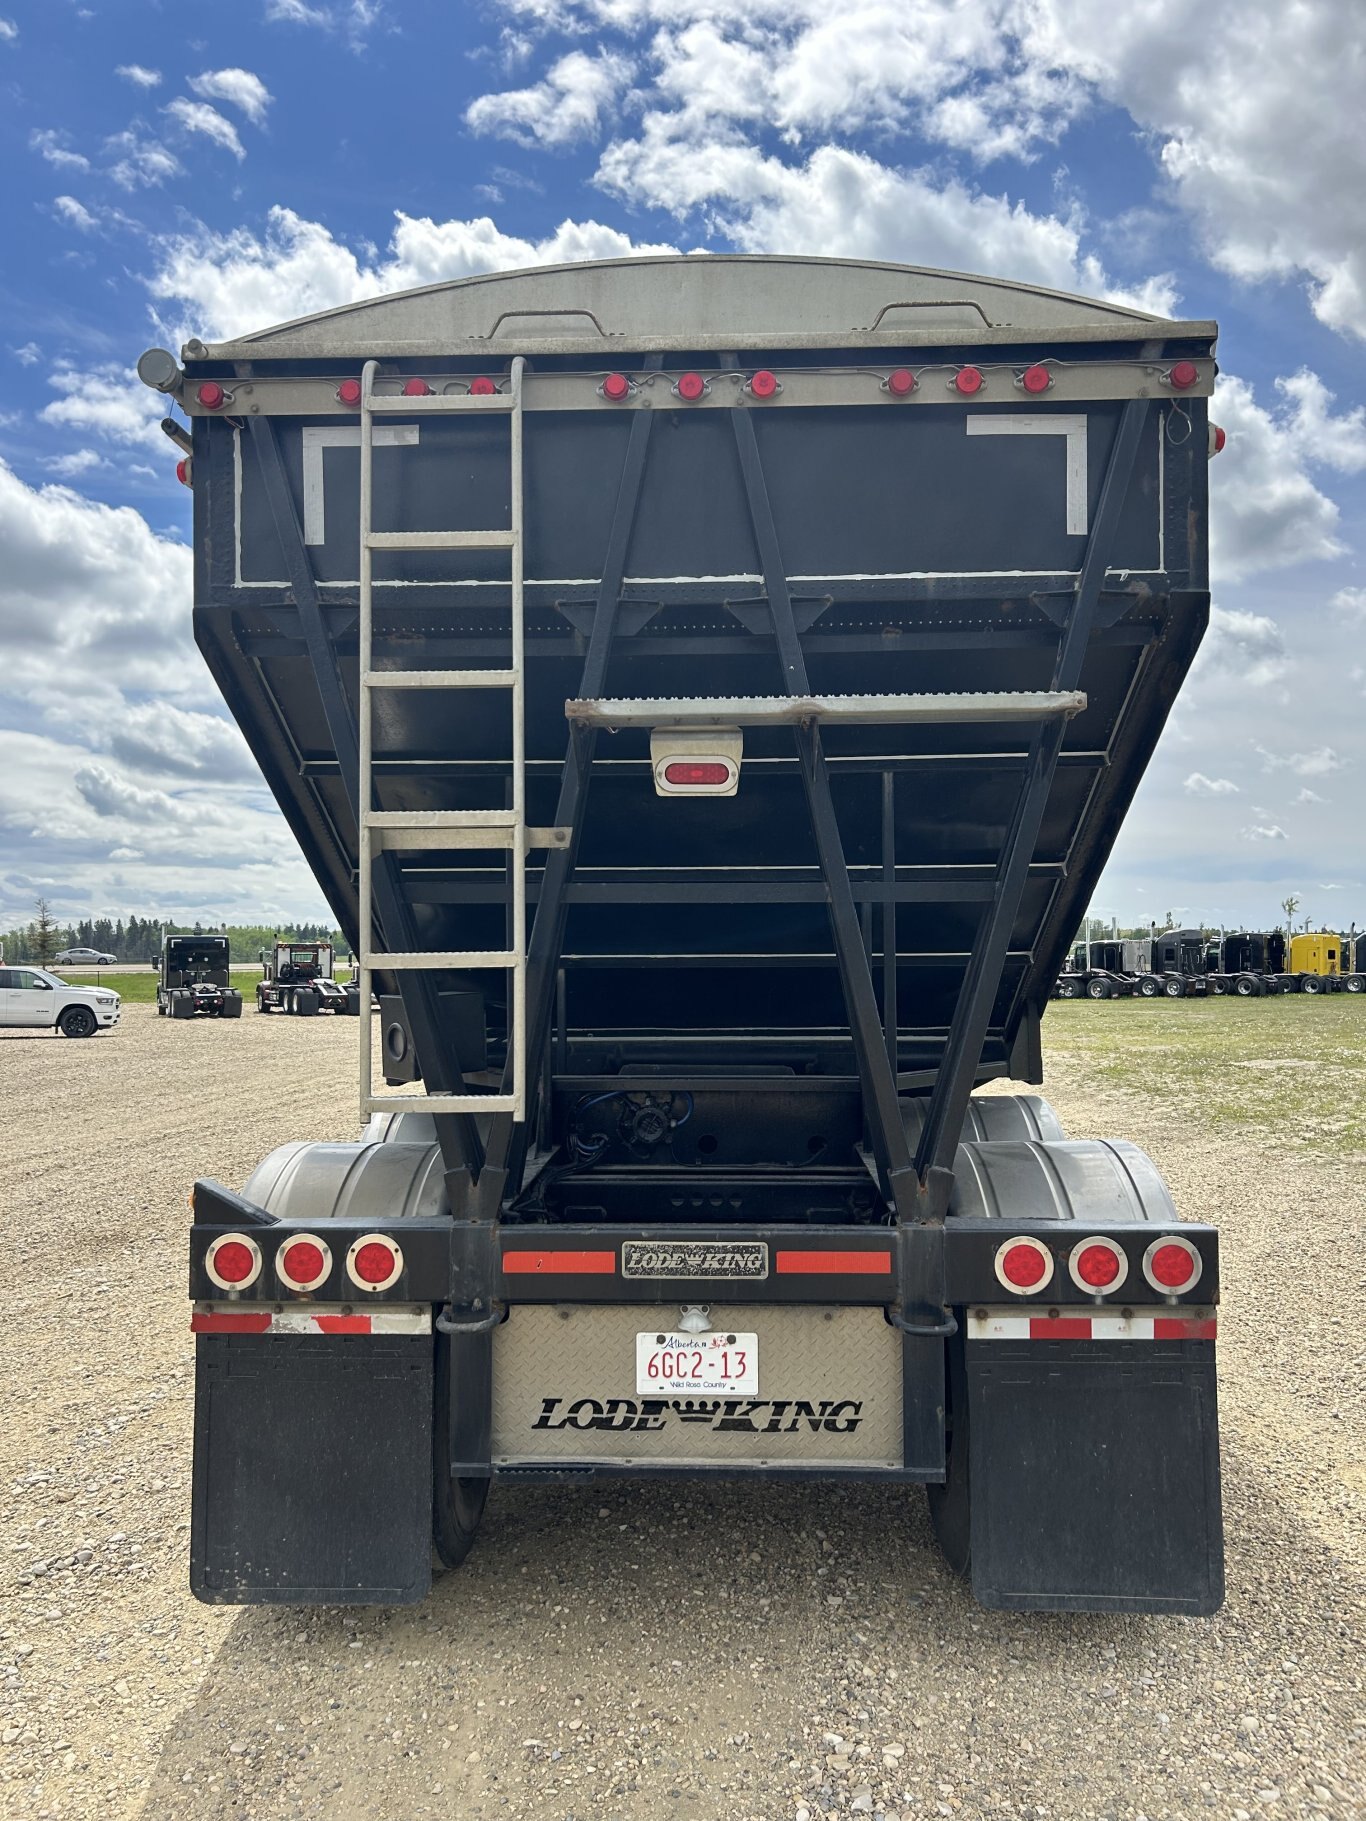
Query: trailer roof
(699, 301)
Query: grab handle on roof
(933, 303)
(507, 316)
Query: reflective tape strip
(310, 1321)
(560, 1264)
(836, 1264)
(1140, 1324)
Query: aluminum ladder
(443, 829)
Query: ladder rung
(440, 818)
(434, 958)
(439, 679)
(440, 1103)
(441, 540)
(950, 708)
(443, 401)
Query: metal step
(439, 679)
(440, 540)
(440, 1103)
(434, 958)
(962, 709)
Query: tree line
(140, 938)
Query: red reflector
(763, 384)
(1024, 1266)
(482, 388)
(211, 395)
(562, 1264)
(1218, 436)
(1171, 1327)
(1097, 1266)
(416, 388)
(343, 1324)
(348, 392)
(182, 471)
(1060, 1327)
(1171, 1265)
(303, 1261)
(616, 387)
(1035, 379)
(690, 385)
(840, 1264)
(1183, 375)
(234, 1321)
(234, 1262)
(374, 1263)
(901, 383)
(968, 380)
(696, 771)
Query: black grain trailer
(194, 979)
(707, 691)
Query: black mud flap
(1095, 1476)
(312, 1470)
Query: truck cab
(1178, 965)
(32, 998)
(298, 978)
(194, 980)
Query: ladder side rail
(517, 1031)
(967, 1032)
(506, 1145)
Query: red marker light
(690, 386)
(211, 395)
(374, 1262)
(482, 388)
(1172, 1265)
(697, 771)
(416, 388)
(348, 392)
(1218, 436)
(1098, 1265)
(1183, 375)
(1036, 379)
(233, 1261)
(901, 383)
(1024, 1265)
(616, 386)
(183, 471)
(967, 380)
(763, 384)
(303, 1263)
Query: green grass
(141, 989)
(1291, 1067)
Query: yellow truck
(1315, 960)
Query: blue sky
(177, 170)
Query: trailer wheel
(1098, 989)
(1150, 986)
(457, 1504)
(950, 1504)
(1175, 988)
(1246, 987)
(77, 1021)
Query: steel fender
(992, 1117)
(1096, 1180)
(312, 1470)
(306, 1183)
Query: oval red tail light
(233, 1261)
(697, 771)
(763, 384)
(968, 380)
(1024, 1265)
(374, 1262)
(1097, 1265)
(1172, 1266)
(616, 386)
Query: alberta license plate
(726, 1363)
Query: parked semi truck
(297, 978)
(194, 980)
(1100, 970)
(1268, 961)
(707, 692)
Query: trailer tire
(457, 1504)
(1150, 986)
(77, 1021)
(1098, 989)
(1175, 988)
(951, 1504)
(1246, 987)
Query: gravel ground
(716, 1654)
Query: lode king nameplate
(694, 1258)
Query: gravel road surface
(639, 1654)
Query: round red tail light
(211, 395)
(1172, 1266)
(303, 1262)
(763, 384)
(1097, 1265)
(348, 392)
(690, 385)
(374, 1262)
(183, 471)
(1024, 1265)
(416, 388)
(1036, 379)
(233, 1261)
(968, 380)
(697, 771)
(616, 386)
(901, 382)
(482, 388)
(1183, 375)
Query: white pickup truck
(30, 996)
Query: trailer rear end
(707, 692)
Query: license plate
(711, 1363)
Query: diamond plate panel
(829, 1390)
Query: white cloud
(1265, 511)
(1350, 603)
(52, 146)
(9, 31)
(294, 12)
(354, 18)
(199, 117)
(138, 75)
(1242, 650)
(1309, 796)
(1319, 762)
(75, 213)
(110, 401)
(78, 462)
(1200, 786)
(225, 285)
(29, 355)
(1264, 832)
(571, 103)
(139, 162)
(240, 88)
